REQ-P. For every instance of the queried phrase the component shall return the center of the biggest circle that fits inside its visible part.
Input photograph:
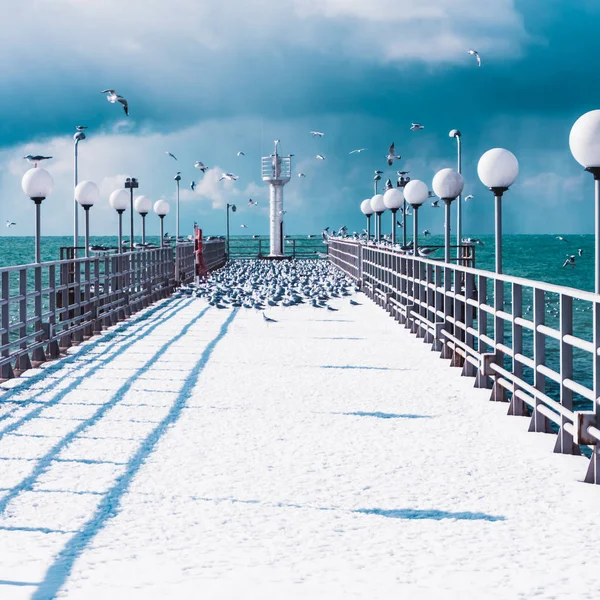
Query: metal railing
(536, 345)
(45, 308)
(215, 254)
(301, 248)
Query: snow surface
(204, 453)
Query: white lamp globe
(447, 184)
(37, 183)
(365, 207)
(394, 198)
(377, 203)
(119, 199)
(87, 193)
(498, 168)
(143, 205)
(584, 139)
(416, 192)
(161, 208)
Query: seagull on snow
(200, 165)
(230, 176)
(416, 126)
(391, 156)
(114, 97)
(476, 55)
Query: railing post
(469, 369)
(498, 391)
(52, 351)
(539, 422)
(23, 363)
(38, 356)
(517, 406)
(6, 371)
(482, 380)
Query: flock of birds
(262, 285)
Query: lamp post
(447, 185)
(584, 141)
(143, 205)
(233, 208)
(403, 180)
(455, 133)
(87, 194)
(177, 179)
(416, 193)
(77, 137)
(394, 199)
(131, 183)
(378, 208)
(119, 200)
(376, 179)
(37, 184)
(162, 208)
(365, 207)
(497, 169)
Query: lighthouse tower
(276, 171)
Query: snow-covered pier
(195, 452)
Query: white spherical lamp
(161, 208)
(498, 169)
(394, 198)
(416, 192)
(365, 207)
(119, 200)
(142, 205)
(377, 204)
(87, 193)
(584, 140)
(447, 184)
(37, 183)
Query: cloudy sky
(207, 78)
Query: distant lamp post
(447, 185)
(365, 207)
(143, 205)
(378, 207)
(394, 199)
(233, 208)
(162, 208)
(87, 194)
(376, 179)
(498, 169)
(416, 193)
(177, 179)
(37, 184)
(131, 183)
(403, 180)
(455, 133)
(79, 136)
(119, 200)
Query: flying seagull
(476, 55)
(230, 176)
(244, 226)
(114, 97)
(80, 127)
(579, 250)
(469, 197)
(240, 153)
(200, 165)
(570, 262)
(320, 157)
(426, 232)
(317, 133)
(193, 185)
(36, 159)
(252, 202)
(301, 175)
(171, 155)
(416, 126)
(11, 223)
(357, 150)
(282, 212)
(391, 156)
(435, 204)
(561, 238)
